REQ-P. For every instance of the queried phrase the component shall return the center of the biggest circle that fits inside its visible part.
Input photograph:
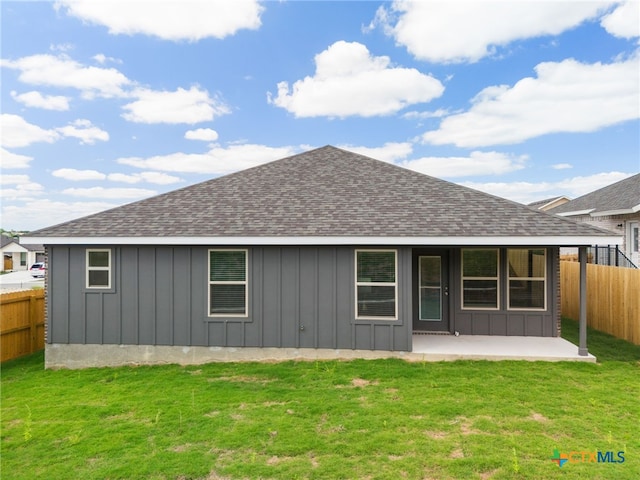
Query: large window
(527, 278)
(480, 269)
(228, 296)
(99, 268)
(376, 287)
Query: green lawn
(376, 419)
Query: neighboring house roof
(620, 198)
(6, 240)
(323, 196)
(548, 203)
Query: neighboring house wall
(299, 297)
(19, 255)
(618, 224)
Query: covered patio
(490, 347)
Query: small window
(480, 269)
(228, 283)
(527, 278)
(376, 287)
(23, 259)
(99, 268)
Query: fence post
(33, 314)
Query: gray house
(615, 207)
(325, 250)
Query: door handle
(446, 290)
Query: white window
(228, 272)
(480, 278)
(527, 278)
(99, 268)
(376, 284)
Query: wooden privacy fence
(613, 298)
(21, 323)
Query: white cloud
(101, 58)
(75, 175)
(182, 106)
(477, 163)
(21, 188)
(217, 161)
(568, 96)
(109, 193)
(61, 71)
(350, 81)
(204, 134)
(39, 213)
(13, 179)
(527, 192)
(10, 160)
(185, 20)
(85, 131)
(561, 166)
(17, 132)
(439, 113)
(624, 21)
(157, 178)
(466, 31)
(38, 100)
(389, 152)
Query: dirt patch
(180, 448)
(242, 379)
(457, 453)
(538, 417)
(272, 404)
(436, 435)
(489, 474)
(361, 382)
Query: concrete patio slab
(485, 347)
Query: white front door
(633, 241)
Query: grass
(375, 419)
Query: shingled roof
(326, 192)
(618, 198)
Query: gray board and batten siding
(299, 297)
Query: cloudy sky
(108, 102)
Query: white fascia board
(576, 212)
(624, 211)
(319, 240)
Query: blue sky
(104, 103)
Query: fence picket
(21, 323)
(613, 298)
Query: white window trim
(377, 284)
(496, 278)
(90, 269)
(543, 279)
(214, 282)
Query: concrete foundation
(426, 349)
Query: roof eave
(558, 240)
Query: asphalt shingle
(622, 195)
(323, 192)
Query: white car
(38, 270)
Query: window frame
(228, 282)
(543, 279)
(496, 278)
(377, 284)
(89, 268)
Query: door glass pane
(430, 288)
